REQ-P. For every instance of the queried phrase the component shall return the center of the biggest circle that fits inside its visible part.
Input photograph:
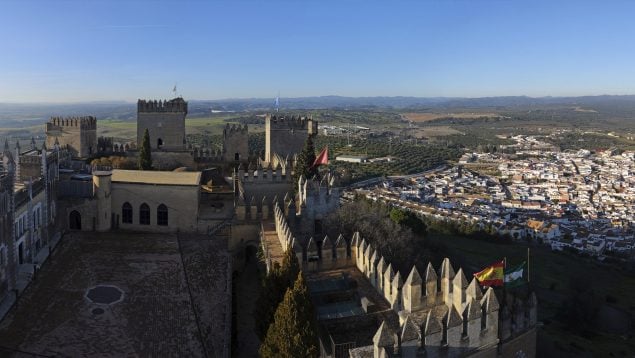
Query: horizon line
(316, 96)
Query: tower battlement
(178, 105)
(84, 122)
(233, 129)
(293, 122)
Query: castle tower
(79, 134)
(102, 187)
(235, 143)
(285, 136)
(165, 122)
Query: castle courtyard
(125, 294)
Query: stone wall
(182, 203)
(7, 242)
(167, 160)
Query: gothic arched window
(126, 213)
(144, 214)
(162, 215)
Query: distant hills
(19, 115)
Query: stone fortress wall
(440, 313)
(79, 134)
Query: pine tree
(145, 154)
(293, 332)
(306, 158)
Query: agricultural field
(407, 158)
(433, 131)
(431, 117)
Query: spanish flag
(492, 275)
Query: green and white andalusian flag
(515, 276)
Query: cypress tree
(274, 286)
(305, 160)
(145, 153)
(293, 332)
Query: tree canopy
(306, 158)
(293, 332)
(274, 286)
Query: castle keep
(235, 143)
(286, 136)
(165, 122)
(79, 134)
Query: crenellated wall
(152, 106)
(440, 312)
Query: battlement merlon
(84, 122)
(280, 122)
(176, 105)
(234, 129)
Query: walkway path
(248, 289)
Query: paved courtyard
(166, 310)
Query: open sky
(62, 51)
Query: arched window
(126, 213)
(144, 214)
(162, 215)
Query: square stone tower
(78, 134)
(235, 143)
(286, 136)
(165, 122)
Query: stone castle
(250, 204)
